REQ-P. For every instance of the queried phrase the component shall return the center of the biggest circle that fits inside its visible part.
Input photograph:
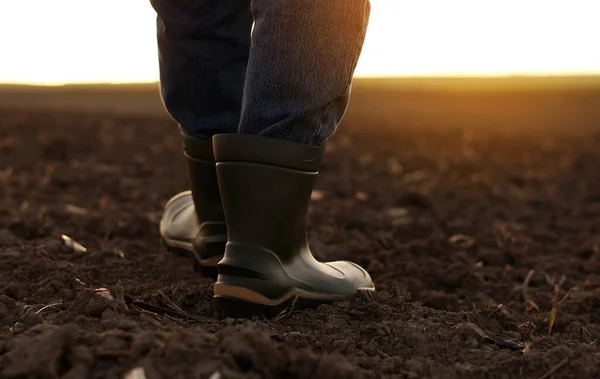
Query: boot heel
(240, 302)
(205, 271)
(174, 250)
(230, 307)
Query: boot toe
(357, 275)
(181, 198)
(179, 220)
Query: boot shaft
(264, 205)
(265, 188)
(203, 179)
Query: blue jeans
(290, 80)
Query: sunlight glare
(67, 41)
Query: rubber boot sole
(239, 302)
(205, 267)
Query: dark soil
(472, 235)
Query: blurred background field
(524, 102)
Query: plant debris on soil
(484, 244)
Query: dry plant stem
(525, 288)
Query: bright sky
(64, 41)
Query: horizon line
(359, 77)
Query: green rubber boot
(266, 185)
(193, 223)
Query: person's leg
(203, 48)
(203, 52)
(302, 60)
(301, 64)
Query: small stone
(105, 293)
(70, 243)
(119, 253)
(136, 373)
(74, 209)
(398, 212)
(362, 196)
(462, 241)
(317, 195)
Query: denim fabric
(291, 80)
